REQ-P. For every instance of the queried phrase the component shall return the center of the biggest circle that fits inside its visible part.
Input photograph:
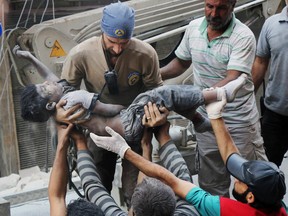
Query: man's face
(115, 46)
(218, 13)
(51, 90)
(240, 191)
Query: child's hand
(20, 53)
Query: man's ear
(50, 105)
(250, 197)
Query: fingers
(100, 141)
(110, 130)
(93, 137)
(60, 104)
(75, 108)
(152, 115)
(74, 114)
(152, 111)
(15, 49)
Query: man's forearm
(149, 168)
(179, 186)
(225, 143)
(259, 69)
(58, 180)
(175, 68)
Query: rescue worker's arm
(175, 68)
(58, 180)
(118, 145)
(259, 69)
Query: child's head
(35, 107)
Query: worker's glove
(214, 110)
(79, 97)
(115, 143)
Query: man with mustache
(221, 48)
(119, 67)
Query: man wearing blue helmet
(119, 66)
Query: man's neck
(214, 33)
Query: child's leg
(230, 89)
(201, 124)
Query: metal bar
(183, 28)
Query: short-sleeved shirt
(273, 44)
(208, 205)
(233, 50)
(137, 69)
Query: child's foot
(231, 88)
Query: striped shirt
(95, 192)
(233, 50)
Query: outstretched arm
(118, 145)
(225, 142)
(42, 69)
(58, 179)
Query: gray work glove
(214, 110)
(78, 97)
(115, 143)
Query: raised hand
(154, 116)
(214, 110)
(69, 116)
(21, 53)
(115, 143)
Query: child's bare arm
(107, 110)
(42, 69)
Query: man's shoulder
(196, 23)
(141, 47)
(242, 29)
(272, 21)
(89, 44)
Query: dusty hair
(154, 198)
(33, 106)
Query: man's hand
(63, 134)
(154, 116)
(115, 143)
(79, 139)
(69, 116)
(214, 110)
